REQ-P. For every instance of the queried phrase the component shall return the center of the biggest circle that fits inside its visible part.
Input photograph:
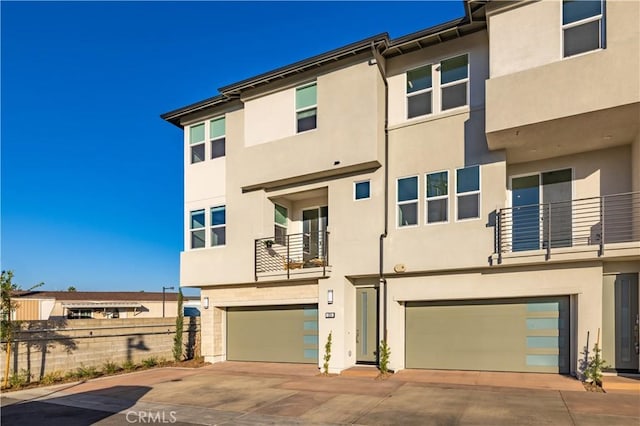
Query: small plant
(128, 365)
(110, 367)
(268, 244)
(51, 378)
(177, 339)
(385, 352)
(86, 372)
(150, 362)
(593, 371)
(327, 355)
(18, 380)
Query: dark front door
(626, 322)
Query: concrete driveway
(281, 394)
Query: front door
(626, 322)
(366, 325)
(314, 225)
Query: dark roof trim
(473, 21)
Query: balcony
(597, 225)
(304, 255)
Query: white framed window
(362, 190)
(437, 194)
(218, 226)
(281, 220)
(197, 229)
(419, 91)
(306, 107)
(582, 26)
(454, 82)
(196, 142)
(217, 131)
(407, 201)
(468, 192)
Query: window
(281, 216)
(419, 91)
(218, 226)
(582, 26)
(362, 190)
(408, 201)
(454, 78)
(217, 130)
(197, 229)
(468, 192)
(306, 107)
(79, 314)
(196, 140)
(437, 197)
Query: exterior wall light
(205, 303)
(330, 297)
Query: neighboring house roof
(93, 305)
(474, 20)
(98, 296)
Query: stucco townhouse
(469, 193)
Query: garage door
(273, 333)
(530, 335)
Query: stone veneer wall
(64, 345)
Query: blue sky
(92, 191)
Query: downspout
(381, 279)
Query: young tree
(7, 306)
(177, 340)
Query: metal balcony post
(498, 236)
(601, 249)
(325, 256)
(255, 259)
(548, 255)
(288, 259)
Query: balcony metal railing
(593, 221)
(284, 253)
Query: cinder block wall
(43, 347)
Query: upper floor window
(582, 26)
(437, 197)
(454, 78)
(197, 227)
(468, 192)
(217, 129)
(449, 78)
(362, 190)
(306, 107)
(218, 226)
(419, 92)
(281, 218)
(407, 193)
(196, 141)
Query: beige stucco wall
(582, 282)
(589, 82)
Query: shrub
(128, 365)
(593, 371)
(18, 380)
(385, 352)
(150, 362)
(83, 372)
(177, 339)
(110, 367)
(51, 378)
(327, 355)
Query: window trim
(602, 29)
(354, 190)
(212, 226)
(401, 203)
(307, 108)
(191, 230)
(438, 197)
(217, 138)
(419, 92)
(454, 83)
(478, 191)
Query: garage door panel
(273, 334)
(495, 335)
